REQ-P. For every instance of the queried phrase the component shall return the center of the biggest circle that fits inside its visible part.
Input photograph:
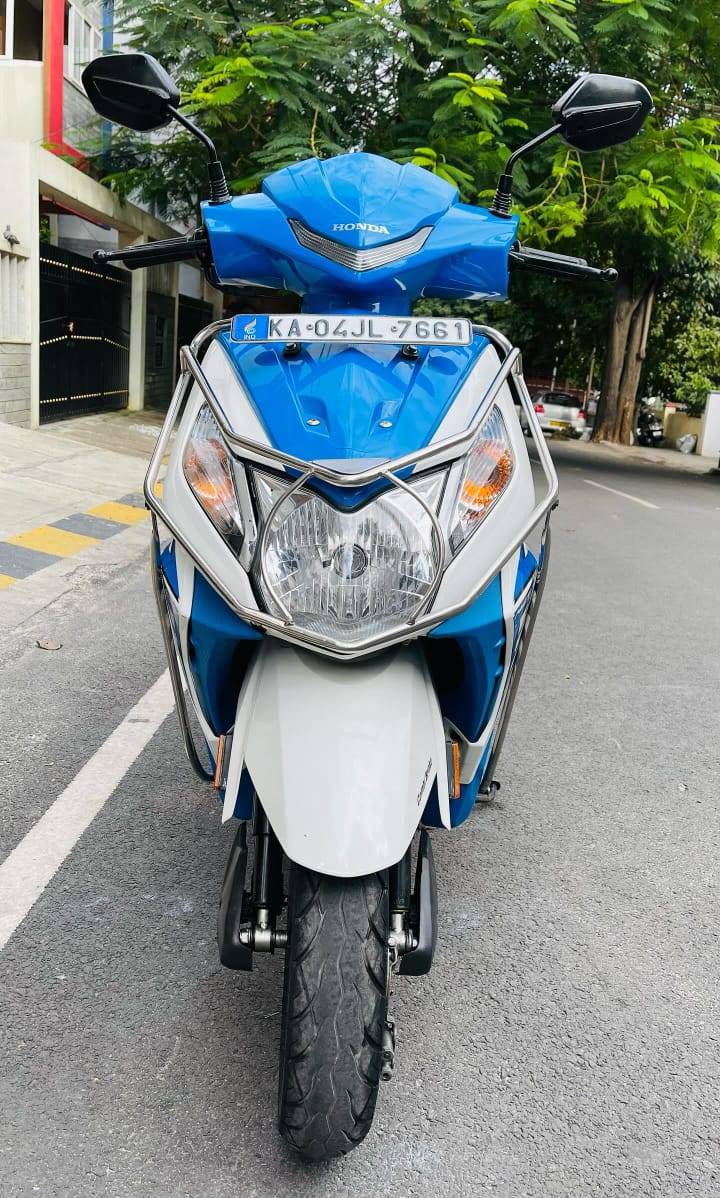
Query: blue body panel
(526, 568)
(350, 389)
(467, 690)
(479, 633)
(465, 255)
(219, 645)
(385, 202)
(169, 567)
(245, 801)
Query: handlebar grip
(560, 265)
(174, 249)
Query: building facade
(74, 338)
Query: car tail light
(582, 414)
(540, 409)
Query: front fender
(342, 755)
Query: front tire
(334, 1010)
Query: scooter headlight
(209, 472)
(348, 575)
(486, 473)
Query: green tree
(647, 206)
(691, 367)
(270, 83)
(683, 349)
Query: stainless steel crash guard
(445, 451)
(488, 783)
(174, 664)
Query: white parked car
(560, 412)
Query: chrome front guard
(175, 667)
(447, 450)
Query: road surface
(566, 1043)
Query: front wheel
(334, 1010)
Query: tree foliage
(455, 86)
(690, 367)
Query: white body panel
(342, 755)
(513, 507)
(179, 499)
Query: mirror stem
(502, 203)
(219, 193)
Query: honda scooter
(342, 562)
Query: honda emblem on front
(361, 227)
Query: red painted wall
(53, 80)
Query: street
(566, 1042)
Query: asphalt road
(567, 1041)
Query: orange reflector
(452, 749)
(217, 780)
(456, 769)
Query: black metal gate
(84, 335)
(193, 315)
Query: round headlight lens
(347, 575)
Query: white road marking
(624, 494)
(28, 869)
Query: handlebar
(561, 265)
(197, 245)
(174, 249)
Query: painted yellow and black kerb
(37, 548)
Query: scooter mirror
(131, 90)
(601, 110)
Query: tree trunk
(625, 352)
(634, 359)
(623, 306)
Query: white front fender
(342, 755)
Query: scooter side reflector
(453, 764)
(217, 780)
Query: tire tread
(334, 1010)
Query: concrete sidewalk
(54, 472)
(64, 492)
(672, 459)
(131, 434)
(71, 508)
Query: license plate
(559, 423)
(344, 330)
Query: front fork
(413, 928)
(247, 919)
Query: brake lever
(558, 265)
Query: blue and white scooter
(341, 565)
